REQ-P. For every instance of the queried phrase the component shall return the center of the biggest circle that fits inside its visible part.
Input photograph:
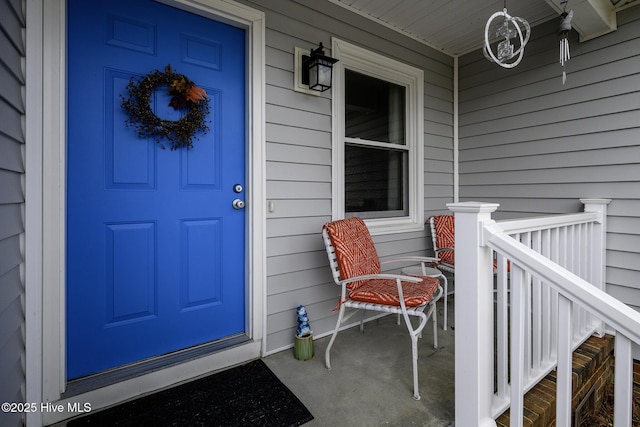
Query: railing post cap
(595, 201)
(473, 207)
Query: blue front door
(155, 249)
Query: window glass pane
(375, 109)
(375, 181)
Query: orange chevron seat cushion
(357, 256)
(385, 291)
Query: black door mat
(247, 395)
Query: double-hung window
(377, 140)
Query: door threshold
(136, 369)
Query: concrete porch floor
(370, 382)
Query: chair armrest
(444, 249)
(424, 259)
(400, 277)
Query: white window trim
(370, 63)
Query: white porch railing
(556, 299)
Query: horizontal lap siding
(536, 146)
(12, 346)
(298, 153)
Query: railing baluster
(555, 256)
(563, 381)
(580, 271)
(577, 269)
(547, 316)
(518, 348)
(527, 313)
(623, 382)
(589, 270)
(564, 245)
(502, 329)
(536, 303)
(574, 255)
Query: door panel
(155, 250)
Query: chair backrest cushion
(445, 237)
(355, 253)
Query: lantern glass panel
(320, 74)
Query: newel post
(598, 246)
(474, 315)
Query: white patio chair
(356, 269)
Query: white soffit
(456, 27)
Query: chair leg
(414, 351)
(435, 326)
(327, 353)
(446, 307)
(414, 333)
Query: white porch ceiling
(456, 27)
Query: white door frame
(45, 215)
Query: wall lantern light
(316, 69)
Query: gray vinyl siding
(12, 346)
(298, 154)
(536, 146)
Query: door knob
(237, 204)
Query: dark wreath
(185, 96)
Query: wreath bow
(185, 96)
